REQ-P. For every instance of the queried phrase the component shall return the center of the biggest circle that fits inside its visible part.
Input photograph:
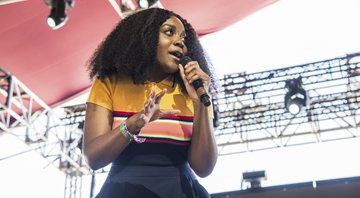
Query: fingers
(181, 70)
(192, 77)
(159, 96)
(192, 72)
(174, 111)
(154, 99)
(150, 102)
(152, 109)
(182, 74)
(168, 112)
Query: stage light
(295, 98)
(144, 4)
(58, 17)
(254, 178)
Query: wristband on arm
(129, 136)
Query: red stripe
(172, 117)
(123, 113)
(177, 117)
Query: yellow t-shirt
(123, 98)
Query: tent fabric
(51, 63)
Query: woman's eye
(169, 32)
(183, 36)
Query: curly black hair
(130, 49)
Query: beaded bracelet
(124, 130)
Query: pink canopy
(51, 63)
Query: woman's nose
(180, 42)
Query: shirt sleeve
(100, 93)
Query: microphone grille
(184, 60)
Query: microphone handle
(201, 92)
(197, 84)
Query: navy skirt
(151, 182)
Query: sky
(287, 33)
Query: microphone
(197, 84)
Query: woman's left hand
(191, 72)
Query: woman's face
(171, 46)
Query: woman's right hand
(152, 110)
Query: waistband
(151, 171)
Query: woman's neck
(158, 76)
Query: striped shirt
(168, 138)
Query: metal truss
(54, 133)
(251, 109)
(253, 114)
(126, 7)
(73, 184)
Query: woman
(143, 115)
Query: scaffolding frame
(253, 114)
(53, 133)
(250, 106)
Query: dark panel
(339, 188)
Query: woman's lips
(175, 57)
